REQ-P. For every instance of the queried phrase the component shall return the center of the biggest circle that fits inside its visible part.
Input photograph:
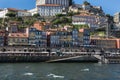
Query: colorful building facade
(49, 9)
(3, 37)
(86, 38)
(18, 39)
(37, 37)
(61, 39)
(92, 21)
(105, 43)
(72, 38)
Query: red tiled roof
(2, 31)
(18, 35)
(81, 30)
(14, 9)
(12, 22)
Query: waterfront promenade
(33, 54)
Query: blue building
(86, 38)
(72, 38)
(61, 39)
(41, 38)
(75, 38)
(37, 37)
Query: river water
(59, 71)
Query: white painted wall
(33, 11)
(23, 13)
(49, 10)
(3, 13)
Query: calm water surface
(59, 71)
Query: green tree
(70, 13)
(19, 19)
(85, 26)
(36, 15)
(11, 14)
(110, 18)
(71, 2)
(57, 21)
(63, 20)
(69, 20)
(59, 15)
(28, 21)
(86, 3)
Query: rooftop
(85, 15)
(49, 5)
(14, 9)
(18, 35)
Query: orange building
(39, 25)
(118, 43)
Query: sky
(109, 6)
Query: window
(22, 40)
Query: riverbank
(34, 54)
(46, 57)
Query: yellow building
(105, 43)
(17, 39)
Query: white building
(3, 12)
(117, 17)
(91, 20)
(33, 11)
(49, 9)
(64, 3)
(19, 13)
(86, 7)
(75, 8)
(23, 13)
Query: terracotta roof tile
(81, 30)
(14, 9)
(16, 35)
